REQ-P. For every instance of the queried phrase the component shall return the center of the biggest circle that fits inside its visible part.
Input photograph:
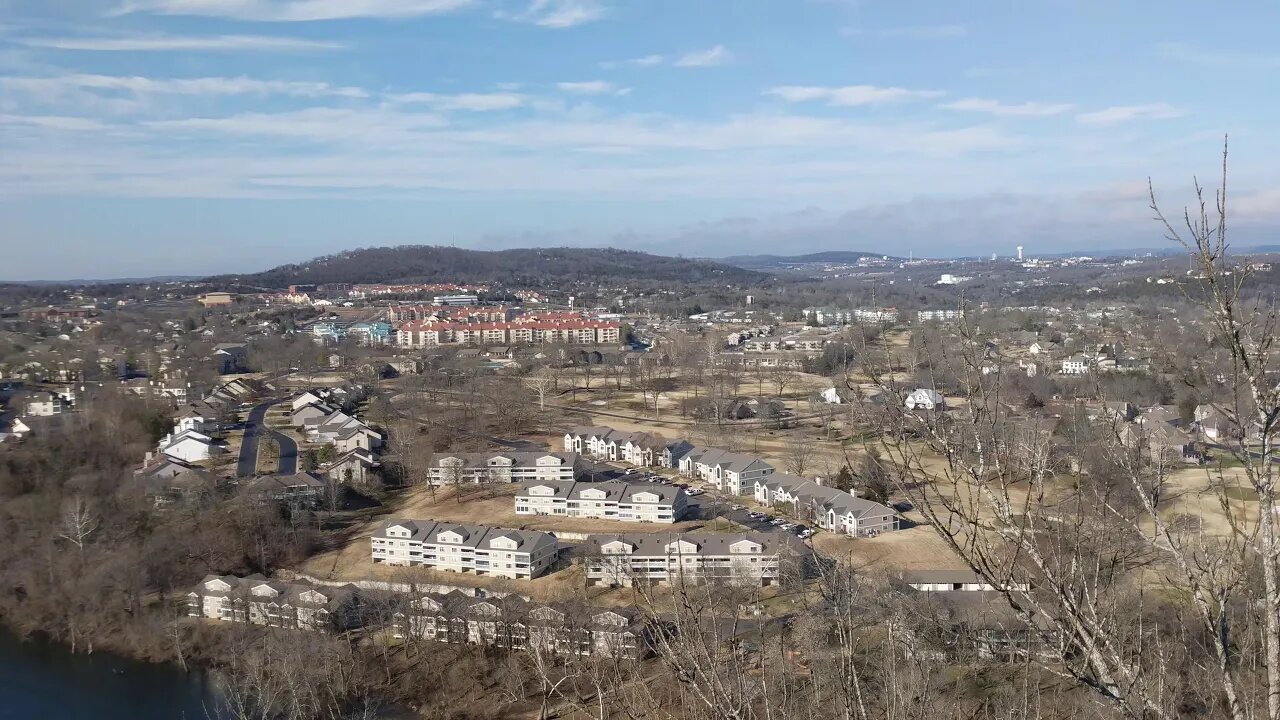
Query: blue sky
(146, 137)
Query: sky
(158, 137)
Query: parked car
(785, 526)
(777, 521)
(630, 471)
(805, 534)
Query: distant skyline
(193, 137)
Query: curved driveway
(254, 428)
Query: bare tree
(541, 381)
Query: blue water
(44, 681)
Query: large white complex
(257, 600)
(638, 448)
(746, 559)
(829, 508)
(503, 467)
(612, 500)
(455, 547)
(731, 472)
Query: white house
(189, 446)
(829, 508)
(831, 396)
(951, 581)
(925, 399)
(730, 472)
(1075, 365)
(45, 404)
(503, 467)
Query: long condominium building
(829, 508)
(731, 472)
(260, 601)
(504, 467)
(610, 500)
(457, 547)
(638, 448)
(427, 333)
(742, 559)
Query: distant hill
(769, 262)
(530, 267)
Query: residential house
(611, 500)
(746, 559)
(42, 403)
(189, 446)
(352, 467)
(300, 488)
(829, 508)
(316, 412)
(456, 547)
(504, 467)
(12, 427)
(260, 601)
(1075, 365)
(197, 418)
(230, 358)
(951, 581)
(925, 399)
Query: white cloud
(474, 102)
(293, 10)
(995, 107)
(717, 55)
(53, 86)
(142, 43)
(643, 61)
(557, 14)
(52, 122)
(1124, 113)
(850, 95)
(593, 87)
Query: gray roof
(475, 536)
(655, 544)
(827, 497)
(615, 490)
(517, 458)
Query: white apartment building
(829, 508)
(504, 467)
(938, 315)
(639, 448)
(611, 500)
(456, 547)
(729, 471)
(258, 600)
(747, 559)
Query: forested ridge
(531, 267)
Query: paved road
(254, 429)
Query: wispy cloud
(717, 55)
(293, 10)
(995, 107)
(911, 32)
(473, 102)
(643, 61)
(212, 43)
(52, 122)
(52, 86)
(1125, 113)
(558, 14)
(850, 95)
(592, 87)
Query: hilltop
(528, 267)
(770, 262)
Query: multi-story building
(504, 467)
(611, 500)
(923, 316)
(730, 472)
(260, 601)
(837, 316)
(639, 448)
(513, 623)
(1075, 365)
(829, 508)
(432, 333)
(455, 547)
(746, 559)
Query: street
(254, 428)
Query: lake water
(44, 681)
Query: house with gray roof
(465, 548)
(261, 601)
(610, 500)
